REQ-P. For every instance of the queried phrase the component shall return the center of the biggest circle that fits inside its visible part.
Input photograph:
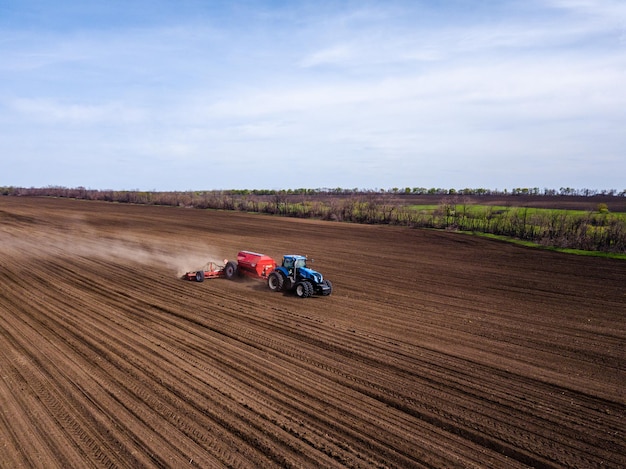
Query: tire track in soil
(127, 341)
(277, 326)
(505, 416)
(397, 400)
(115, 363)
(112, 355)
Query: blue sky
(193, 95)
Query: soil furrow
(431, 352)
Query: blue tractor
(294, 275)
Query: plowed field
(435, 349)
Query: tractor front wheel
(304, 289)
(275, 281)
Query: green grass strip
(578, 252)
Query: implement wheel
(200, 276)
(230, 269)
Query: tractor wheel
(304, 289)
(200, 276)
(230, 269)
(275, 281)
(330, 287)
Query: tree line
(593, 230)
(94, 194)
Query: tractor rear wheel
(200, 276)
(275, 281)
(230, 269)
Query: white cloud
(51, 111)
(395, 91)
(336, 54)
(610, 9)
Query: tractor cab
(292, 262)
(295, 267)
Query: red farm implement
(250, 264)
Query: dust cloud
(80, 240)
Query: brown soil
(435, 349)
